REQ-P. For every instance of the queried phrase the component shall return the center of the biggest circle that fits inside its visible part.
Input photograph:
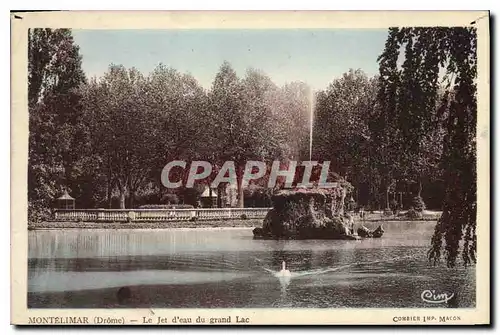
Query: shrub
(352, 205)
(259, 197)
(166, 207)
(418, 204)
(170, 198)
(244, 216)
(182, 206)
(413, 214)
(393, 204)
(388, 212)
(37, 212)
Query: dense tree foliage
(125, 126)
(459, 106)
(241, 112)
(434, 126)
(54, 76)
(411, 127)
(341, 129)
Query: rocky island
(310, 214)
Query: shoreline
(184, 225)
(147, 229)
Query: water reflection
(227, 268)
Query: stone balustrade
(143, 215)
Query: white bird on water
(284, 272)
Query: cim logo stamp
(432, 297)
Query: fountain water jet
(311, 123)
(316, 213)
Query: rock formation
(307, 214)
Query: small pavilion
(65, 201)
(207, 199)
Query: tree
(385, 133)
(54, 76)
(458, 221)
(180, 107)
(418, 106)
(411, 96)
(122, 129)
(291, 107)
(341, 132)
(243, 123)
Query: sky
(315, 57)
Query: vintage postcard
(250, 168)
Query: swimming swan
(284, 272)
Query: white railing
(116, 215)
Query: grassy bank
(250, 223)
(380, 216)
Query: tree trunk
(122, 199)
(239, 178)
(110, 185)
(387, 198)
(419, 190)
(131, 194)
(160, 193)
(121, 188)
(219, 196)
(110, 199)
(241, 199)
(210, 196)
(131, 199)
(342, 201)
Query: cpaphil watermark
(252, 170)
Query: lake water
(226, 268)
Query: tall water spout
(311, 119)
